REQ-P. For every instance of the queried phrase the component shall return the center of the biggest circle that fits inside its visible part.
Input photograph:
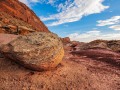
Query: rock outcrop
(7, 38)
(37, 51)
(13, 12)
(113, 45)
(66, 40)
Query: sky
(81, 20)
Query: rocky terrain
(37, 51)
(113, 45)
(34, 61)
(17, 18)
(91, 69)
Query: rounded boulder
(37, 51)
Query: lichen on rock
(37, 51)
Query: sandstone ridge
(13, 12)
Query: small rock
(1, 56)
(74, 43)
(66, 40)
(0, 25)
(6, 20)
(37, 51)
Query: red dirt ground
(94, 69)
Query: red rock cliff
(21, 12)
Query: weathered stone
(36, 51)
(7, 38)
(74, 43)
(1, 56)
(15, 12)
(6, 21)
(66, 40)
(0, 26)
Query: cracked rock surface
(37, 51)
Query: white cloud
(25, 2)
(30, 2)
(74, 11)
(51, 2)
(111, 21)
(64, 6)
(93, 35)
(34, 0)
(70, 10)
(115, 27)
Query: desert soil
(94, 69)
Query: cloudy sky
(81, 20)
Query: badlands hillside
(16, 17)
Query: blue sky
(81, 20)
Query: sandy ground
(80, 70)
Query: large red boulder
(37, 51)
